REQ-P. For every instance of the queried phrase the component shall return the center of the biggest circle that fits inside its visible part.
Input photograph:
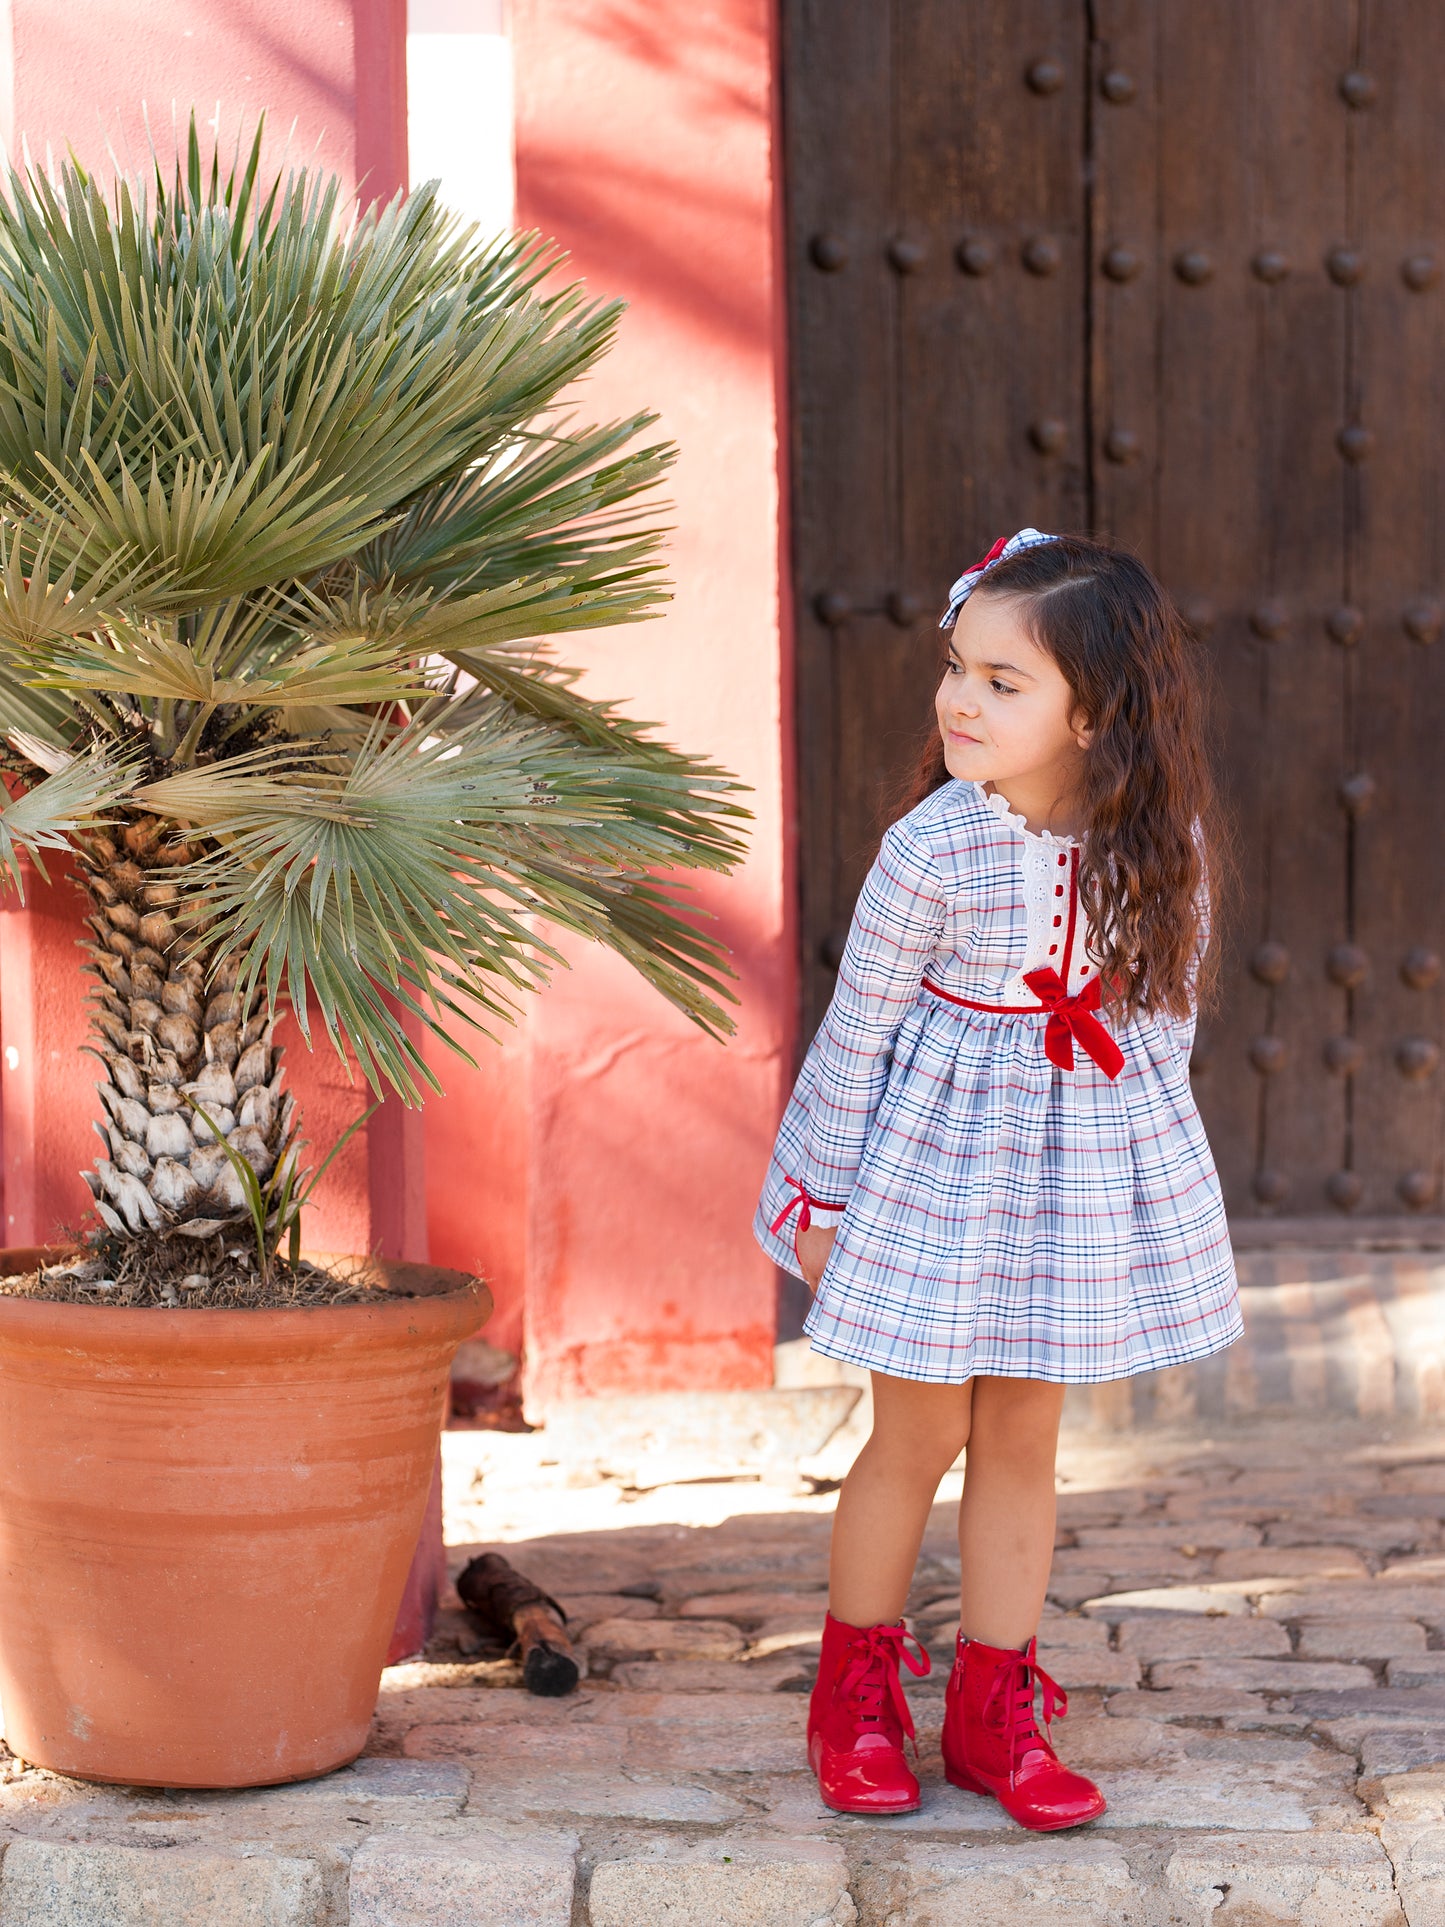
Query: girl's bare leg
(1007, 1514)
(918, 1432)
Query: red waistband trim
(1071, 1019)
(967, 1003)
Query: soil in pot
(216, 1274)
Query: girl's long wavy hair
(1152, 827)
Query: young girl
(992, 1172)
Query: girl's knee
(1017, 1415)
(921, 1425)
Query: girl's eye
(1003, 688)
(952, 668)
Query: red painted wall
(478, 1152)
(47, 1086)
(645, 144)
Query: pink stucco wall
(329, 74)
(645, 144)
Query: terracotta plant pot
(206, 1521)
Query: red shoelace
(1012, 1697)
(868, 1680)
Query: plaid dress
(1001, 1216)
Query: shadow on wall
(720, 51)
(695, 69)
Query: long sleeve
(896, 927)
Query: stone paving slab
(517, 1877)
(53, 1883)
(728, 1882)
(1169, 1636)
(1363, 1638)
(1264, 1675)
(1034, 1883)
(1342, 1882)
(1266, 1716)
(1417, 1669)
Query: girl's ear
(1083, 729)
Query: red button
(1058, 889)
(1053, 948)
(1063, 859)
(1057, 922)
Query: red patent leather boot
(858, 1719)
(992, 1743)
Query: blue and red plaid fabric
(1004, 1218)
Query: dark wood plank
(991, 108)
(837, 110)
(1297, 154)
(1337, 1233)
(916, 382)
(1124, 272)
(1209, 508)
(1194, 411)
(1397, 708)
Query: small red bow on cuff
(1071, 1018)
(805, 1218)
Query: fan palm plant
(290, 511)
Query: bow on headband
(1006, 546)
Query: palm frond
(40, 603)
(430, 852)
(48, 815)
(44, 715)
(556, 503)
(142, 658)
(289, 515)
(226, 411)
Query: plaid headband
(1006, 546)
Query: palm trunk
(170, 1027)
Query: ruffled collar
(999, 805)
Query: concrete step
(667, 1438)
(1355, 1333)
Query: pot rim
(447, 1305)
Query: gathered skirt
(1012, 1219)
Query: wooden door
(1168, 272)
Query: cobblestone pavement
(1251, 1628)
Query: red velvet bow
(1070, 1018)
(993, 555)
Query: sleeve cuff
(822, 1218)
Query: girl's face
(1006, 714)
